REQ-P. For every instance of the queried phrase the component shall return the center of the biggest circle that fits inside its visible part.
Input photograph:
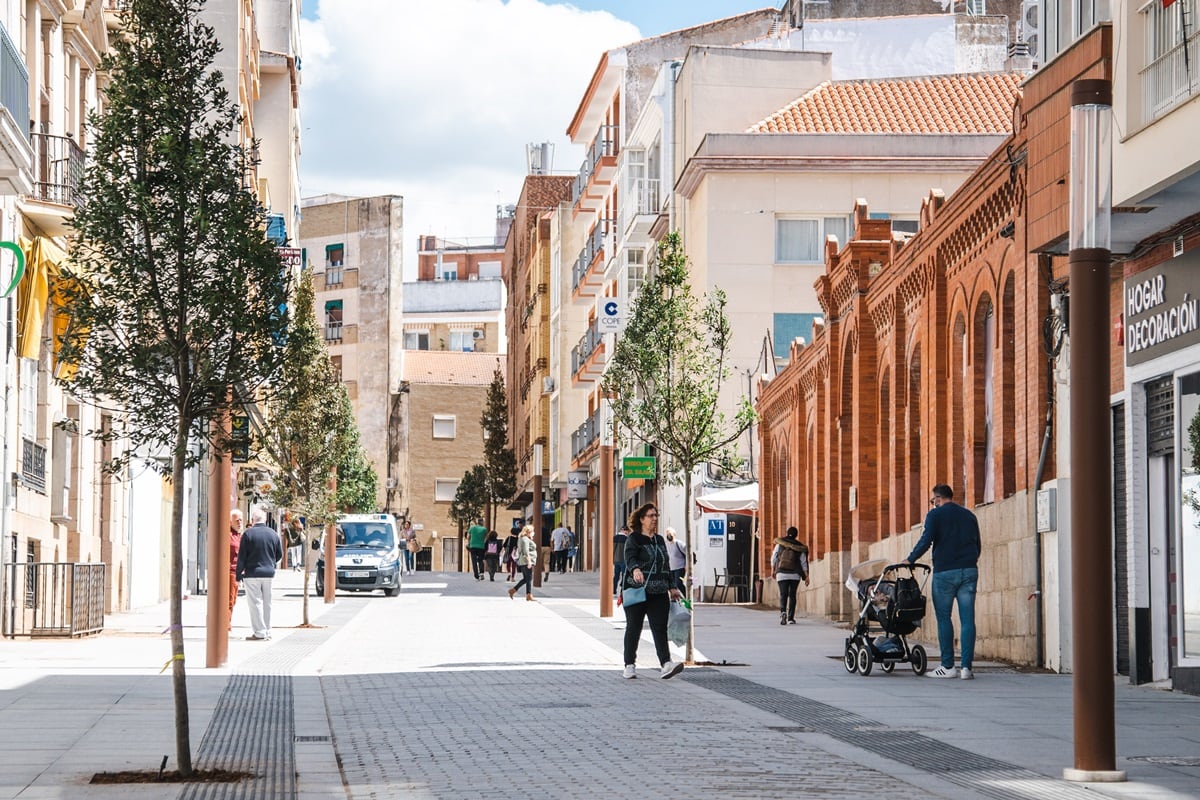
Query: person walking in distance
(527, 555)
(476, 537)
(235, 541)
(619, 539)
(677, 554)
(491, 554)
(648, 568)
(789, 561)
(953, 532)
(260, 551)
(411, 547)
(510, 554)
(558, 552)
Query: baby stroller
(892, 597)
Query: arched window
(960, 444)
(884, 480)
(983, 374)
(1008, 388)
(913, 484)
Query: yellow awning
(42, 258)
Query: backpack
(789, 560)
(493, 548)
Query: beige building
(446, 393)
(354, 248)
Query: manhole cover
(556, 705)
(789, 729)
(312, 739)
(1168, 761)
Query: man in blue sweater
(953, 532)
(261, 549)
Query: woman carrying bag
(527, 554)
(648, 591)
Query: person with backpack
(491, 554)
(789, 561)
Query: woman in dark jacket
(647, 566)
(510, 554)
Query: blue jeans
(948, 586)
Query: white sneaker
(942, 672)
(630, 671)
(671, 669)
(966, 674)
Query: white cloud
(436, 100)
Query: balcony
(598, 170)
(584, 438)
(588, 273)
(57, 182)
(641, 202)
(588, 357)
(16, 155)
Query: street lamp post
(1091, 448)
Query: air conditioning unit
(547, 385)
(477, 333)
(1030, 28)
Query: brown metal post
(1091, 509)
(331, 550)
(219, 485)
(607, 529)
(537, 527)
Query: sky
(435, 100)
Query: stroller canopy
(865, 571)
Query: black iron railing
(33, 465)
(58, 169)
(14, 82)
(54, 599)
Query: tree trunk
(689, 651)
(183, 743)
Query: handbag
(631, 595)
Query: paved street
(453, 690)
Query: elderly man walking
(260, 551)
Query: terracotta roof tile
(963, 103)
(449, 367)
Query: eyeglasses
(933, 501)
(651, 514)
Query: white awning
(738, 499)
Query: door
(740, 551)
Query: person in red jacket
(235, 542)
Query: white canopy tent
(736, 500)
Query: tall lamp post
(1091, 448)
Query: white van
(368, 554)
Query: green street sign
(239, 437)
(644, 467)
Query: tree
(176, 292)
(665, 377)
(309, 431)
(499, 461)
(471, 498)
(357, 482)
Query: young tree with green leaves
(499, 461)
(310, 434)
(176, 292)
(471, 497)
(666, 373)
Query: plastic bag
(679, 621)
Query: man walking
(619, 539)
(558, 554)
(476, 539)
(953, 532)
(260, 551)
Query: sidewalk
(452, 690)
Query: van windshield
(365, 534)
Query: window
(444, 489)
(335, 255)
(443, 426)
(801, 240)
(790, 326)
(1189, 528)
(416, 340)
(336, 363)
(449, 270)
(635, 271)
(1169, 75)
(333, 321)
(976, 8)
(29, 398)
(489, 270)
(462, 341)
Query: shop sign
(640, 468)
(1162, 310)
(577, 485)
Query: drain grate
(556, 705)
(789, 729)
(312, 739)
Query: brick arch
(1008, 385)
(983, 401)
(846, 455)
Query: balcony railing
(1170, 79)
(333, 331)
(582, 351)
(593, 247)
(33, 465)
(54, 599)
(586, 435)
(605, 144)
(641, 197)
(14, 82)
(58, 168)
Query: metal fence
(53, 599)
(14, 82)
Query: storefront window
(1188, 581)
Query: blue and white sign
(609, 320)
(716, 526)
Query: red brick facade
(921, 341)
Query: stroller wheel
(887, 666)
(865, 660)
(918, 659)
(850, 658)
